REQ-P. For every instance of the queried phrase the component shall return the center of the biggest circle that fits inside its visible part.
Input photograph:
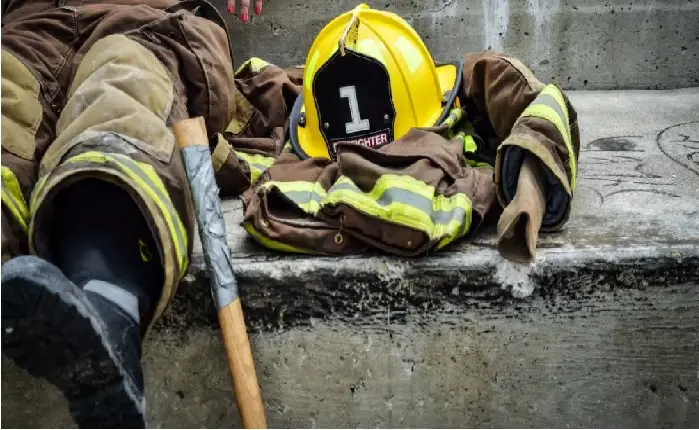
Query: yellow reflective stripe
(147, 180)
(469, 142)
(15, 208)
(454, 117)
(470, 147)
(256, 65)
(548, 114)
(406, 201)
(550, 106)
(257, 163)
(13, 198)
(146, 255)
(157, 191)
(37, 190)
(464, 131)
(307, 196)
(272, 244)
(553, 91)
(474, 163)
(402, 200)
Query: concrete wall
(581, 44)
(620, 357)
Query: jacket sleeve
(517, 114)
(255, 135)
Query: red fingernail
(231, 9)
(258, 9)
(245, 16)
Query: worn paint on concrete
(579, 44)
(602, 330)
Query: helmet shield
(352, 93)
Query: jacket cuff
(557, 191)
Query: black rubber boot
(76, 321)
(80, 342)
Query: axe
(193, 142)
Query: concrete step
(602, 330)
(580, 44)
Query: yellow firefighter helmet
(369, 78)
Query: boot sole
(49, 329)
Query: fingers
(244, 6)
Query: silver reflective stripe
(409, 198)
(254, 162)
(122, 298)
(303, 197)
(550, 101)
(259, 167)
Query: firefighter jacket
(418, 194)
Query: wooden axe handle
(193, 142)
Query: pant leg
(126, 92)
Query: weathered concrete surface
(625, 359)
(601, 331)
(580, 44)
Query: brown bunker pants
(89, 90)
